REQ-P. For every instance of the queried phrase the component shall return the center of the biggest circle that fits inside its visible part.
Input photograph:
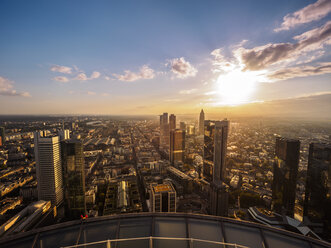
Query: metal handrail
(151, 238)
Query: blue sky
(145, 57)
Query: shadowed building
(317, 205)
(164, 129)
(285, 175)
(172, 122)
(201, 122)
(177, 146)
(215, 147)
(74, 177)
(2, 136)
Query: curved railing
(112, 242)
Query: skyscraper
(317, 205)
(201, 122)
(2, 135)
(182, 126)
(215, 147)
(286, 163)
(74, 177)
(48, 168)
(177, 145)
(164, 130)
(172, 122)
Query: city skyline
(113, 58)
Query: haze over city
(129, 57)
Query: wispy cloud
(263, 56)
(301, 71)
(182, 68)
(82, 76)
(312, 12)
(61, 69)
(91, 93)
(7, 88)
(187, 92)
(61, 79)
(145, 72)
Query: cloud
(145, 72)
(105, 94)
(302, 71)
(61, 69)
(261, 57)
(312, 12)
(7, 88)
(187, 92)
(220, 63)
(91, 93)
(107, 78)
(182, 68)
(61, 79)
(95, 75)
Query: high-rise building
(74, 177)
(163, 198)
(48, 168)
(2, 136)
(215, 147)
(172, 122)
(64, 134)
(182, 126)
(286, 164)
(177, 145)
(164, 130)
(201, 122)
(317, 205)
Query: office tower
(48, 168)
(177, 145)
(215, 147)
(317, 205)
(64, 134)
(2, 136)
(286, 163)
(163, 198)
(172, 122)
(164, 130)
(201, 122)
(74, 177)
(182, 126)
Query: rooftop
(160, 230)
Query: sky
(148, 57)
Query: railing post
(191, 243)
(108, 244)
(150, 242)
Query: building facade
(172, 122)
(286, 164)
(49, 168)
(177, 146)
(201, 122)
(74, 177)
(317, 205)
(163, 198)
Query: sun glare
(236, 87)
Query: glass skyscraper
(74, 177)
(317, 205)
(286, 164)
